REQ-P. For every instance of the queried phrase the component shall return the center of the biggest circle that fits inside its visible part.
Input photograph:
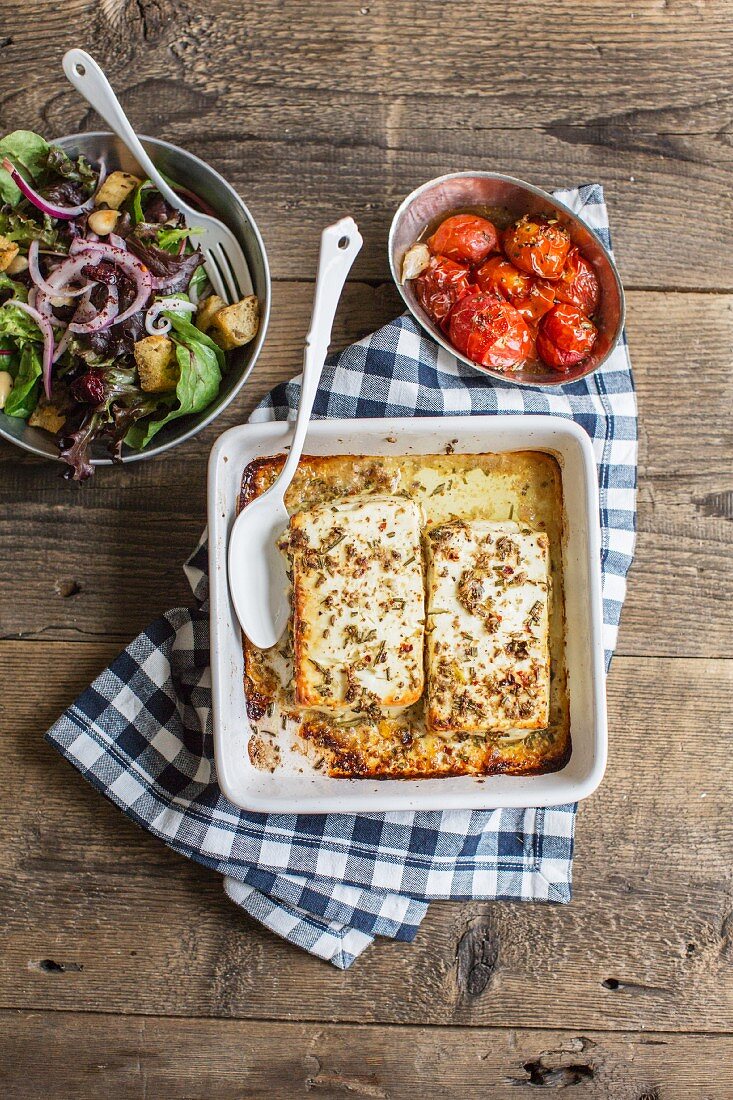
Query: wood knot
(477, 955)
(555, 1077)
(50, 966)
(560, 1068)
(67, 589)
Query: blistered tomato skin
(499, 276)
(465, 238)
(531, 297)
(440, 286)
(566, 336)
(540, 299)
(490, 332)
(538, 245)
(578, 285)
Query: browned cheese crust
(523, 487)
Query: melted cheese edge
(517, 486)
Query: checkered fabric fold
(141, 733)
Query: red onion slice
(129, 263)
(38, 300)
(104, 317)
(47, 286)
(65, 213)
(71, 268)
(157, 325)
(45, 327)
(61, 347)
(163, 282)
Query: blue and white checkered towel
(330, 883)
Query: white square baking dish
(295, 787)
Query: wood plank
(254, 89)
(89, 562)
(98, 913)
(234, 1060)
(312, 111)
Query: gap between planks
(329, 1021)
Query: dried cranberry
(101, 272)
(89, 389)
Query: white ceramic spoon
(257, 579)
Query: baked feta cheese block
(488, 664)
(358, 604)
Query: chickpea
(6, 385)
(103, 222)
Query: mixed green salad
(108, 327)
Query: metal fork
(224, 260)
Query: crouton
(157, 365)
(207, 310)
(115, 189)
(236, 325)
(47, 417)
(17, 266)
(8, 252)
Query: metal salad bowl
(503, 199)
(197, 177)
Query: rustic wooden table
(124, 970)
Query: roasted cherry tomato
(489, 331)
(440, 286)
(537, 303)
(498, 276)
(538, 245)
(530, 297)
(464, 237)
(578, 284)
(566, 336)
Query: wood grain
(314, 110)
(338, 107)
(98, 913)
(234, 1060)
(101, 561)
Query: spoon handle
(340, 245)
(85, 74)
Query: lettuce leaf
(46, 166)
(17, 325)
(163, 264)
(12, 287)
(199, 280)
(138, 214)
(17, 227)
(169, 238)
(59, 163)
(201, 363)
(183, 330)
(19, 332)
(24, 395)
(29, 154)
